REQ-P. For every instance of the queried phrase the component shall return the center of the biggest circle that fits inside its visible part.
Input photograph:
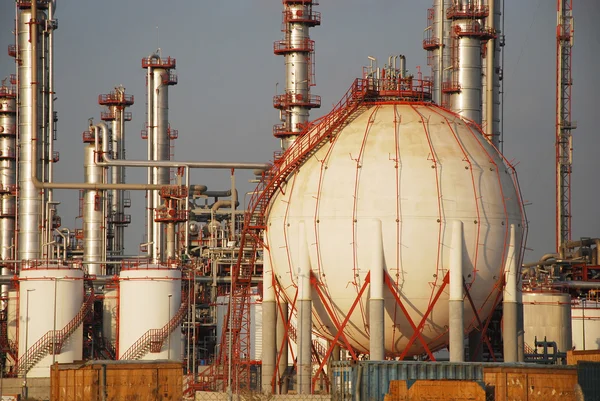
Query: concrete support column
(282, 338)
(520, 324)
(269, 317)
(376, 301)
(509, 304)
(456, 302)
(304, 317)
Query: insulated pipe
(140, 163)
(269, 323)
(509, 304)
(93, 218)
(376, 301)
(171, 252)
(456, 301)
(150, 147)
(304, 316)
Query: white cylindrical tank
(149, 296)
(585, 323)
(46, 292)
(547, 315)
(416, 169)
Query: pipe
(376, 300)
(509, 304)
(304, 315)
(65, 243)
(456, 301)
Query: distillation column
(116, 103)
(468, 35)
(8, 175)
(436, 42)
(298, 49)
(30, 117)
(93, 210)
(159, 78)
(492, 74)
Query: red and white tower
(298, 50)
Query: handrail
(43, 346)
(156, 337)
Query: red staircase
(237, 321)
(153, 339)
(52, 341)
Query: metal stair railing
(44, 345)
(153, 339)
(306, 145)
(316, 345)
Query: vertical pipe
(269, 316)
(170, 242)
(456, 302)
(150, 155)
(304, 316)
(30, 199)
(93, 217)
(50, 95)
(509, 303)
(376, 301)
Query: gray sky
(227, 75)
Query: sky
(228, 74)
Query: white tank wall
(396, 182)
(586, 332)
(12, 320)
(547, 315)
(110, 312)
(40, 313)
(144, 305)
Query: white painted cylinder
(456, 301)
(586, 325)
(149, 296)
(42, 292)
(547, 315)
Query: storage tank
(547, 315)
(412, 169)
(585, 322)
(149, 296)
(50, 298)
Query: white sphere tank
(413, 169)
(149, 296)
(42, 292)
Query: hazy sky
(228, 72)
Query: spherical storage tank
(49, 298)
(149, 296)
(403, 173)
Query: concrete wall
(38, 388)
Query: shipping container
(117, 380)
